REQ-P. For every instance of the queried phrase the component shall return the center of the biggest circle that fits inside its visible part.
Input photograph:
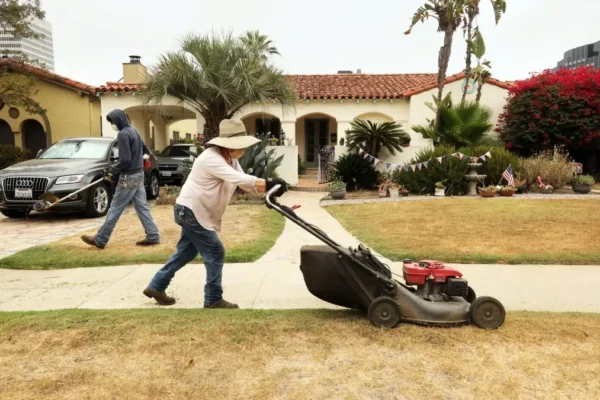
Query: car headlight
(70, 179)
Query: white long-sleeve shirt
(210, 185)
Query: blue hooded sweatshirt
(130, 144)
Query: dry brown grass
(248, 231)
(479, 230)
(176, 354)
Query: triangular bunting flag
(483, 157)
(413, 167)
(460, 156)
(488, 154)
(377, 161)
(425, 164)
(360, 151)
(388, 165)
(440, 159)
(406, 168)
(419, 166)
(371, 158)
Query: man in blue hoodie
(130, 186)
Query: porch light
(117, 94)
(374, 101)
(324, 101)
(358, 100)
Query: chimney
(134, 71)
(344, 72)
(359, 71)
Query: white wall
(288, 170)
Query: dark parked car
(173, 161)
(64, 167)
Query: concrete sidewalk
(275, 281)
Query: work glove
(271, 182)
(108, 175)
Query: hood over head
(119, 118)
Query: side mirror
(39, 153)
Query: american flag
(508, 175)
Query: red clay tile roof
(347, 86)
(46, 75)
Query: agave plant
(259, 162)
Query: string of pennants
(419, 166)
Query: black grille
(456, 287)
(36, 184)
(168, 167)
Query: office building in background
(40, 50)
(588, 55)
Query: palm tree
(217, 77)
(464, 124)
(471, 12)
(449, 14)
(260, 44)
(375, 136)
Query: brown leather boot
(222, 304)
(91, 240)
(160, 297)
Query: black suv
(64, 167)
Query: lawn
(248, 232)
(294, 354)
(478, 230)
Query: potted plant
(521, 186)
(337, 190)
(403, 191)
(383, 190)
(301, 167)
(394, 190)
(440, 189)
(582, 184)
(487, 191)
(507, 191)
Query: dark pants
(194, 239)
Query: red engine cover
(417, 273)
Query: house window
(188, 136)
(176, 136)
(272, 126)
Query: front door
(317, 134)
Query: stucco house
(326, 106)
(71, 109)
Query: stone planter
(394, 194)
(404, 194)
(487, 194)
(339, 195)
(440, 192)
(581, 188)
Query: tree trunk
(468, 57)
(443, 59)
(211, 129)
(480, 83)
(374, 148)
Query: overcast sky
(93, 37)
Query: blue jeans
(194, 239)
(129, 188)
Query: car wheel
(153, 188)
(99, 199)
(13, 213)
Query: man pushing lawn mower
(199, 209)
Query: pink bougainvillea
(553, 108)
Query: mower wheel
(384, 312)
(471, 296)
(487, 313)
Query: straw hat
(232, 135)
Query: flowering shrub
(553, 108)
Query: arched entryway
(313, 132)
(34, 137)
(259, 124)
(7, 137)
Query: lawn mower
(432, 295)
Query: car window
(77, 149)
(166, 151)
(180, 151)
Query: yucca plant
(259, 162)
(375, 136)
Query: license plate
(166, 173)
(23, 193)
